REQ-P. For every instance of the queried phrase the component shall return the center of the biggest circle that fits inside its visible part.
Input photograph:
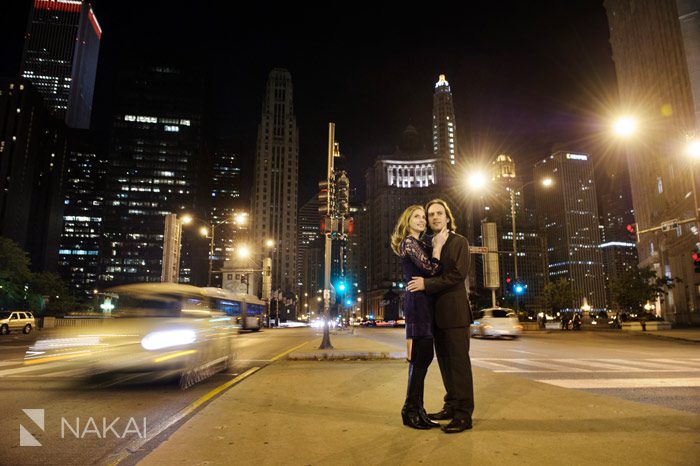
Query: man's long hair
(450, 219)
(401, 229)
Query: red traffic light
(630, 228)
(507, 279)
(696, 257)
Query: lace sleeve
(412, 248)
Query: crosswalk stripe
(550, 364)
(624, 383)
(584, 365)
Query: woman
(417, 308)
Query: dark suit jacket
(449, 289)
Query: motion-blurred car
(496, 322)
(15, 321)
(156, 328)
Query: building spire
(444, 126)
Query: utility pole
(330, 224)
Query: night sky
(525, 76)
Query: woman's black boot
(426, 420)
(412, 418)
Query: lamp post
(478, 181)
(209, 231)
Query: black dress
(418, 310)
(417, 307)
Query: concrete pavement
(300, 410)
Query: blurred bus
(246, 310)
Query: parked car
(16, 320)
(496, 322)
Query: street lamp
(625, 126)
(477, 181)
(208, 230)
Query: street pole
(211, 252)
(330, 178)
(515, 246)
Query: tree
(558, 295)
(14, 274)
(55, 289)
(631, 290)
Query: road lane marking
(551, 364)
(623, 383)
(184, 412)
(275, 358)
(589, 365)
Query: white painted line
(623, 383)
(656, 365)
(496, 367)
(522, 351)
(552, 364)
(692, 362)
(603, 366)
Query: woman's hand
(438, 241)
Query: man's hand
(417, 284)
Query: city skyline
(520, 92)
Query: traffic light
(327, 198)
(342, 200)
(341, 286)
(696, 260)
(519, 288)
(632, 232)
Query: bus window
(231, 308)
(254, 309)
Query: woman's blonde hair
(401, 230)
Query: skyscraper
(32, 161)
(79, 257)
(410, 175)
(310, 249)
(444, 126)
(60, 54)
(530, 243)
(569, 217)
(656, 52)
(276, 179)
(155, 152)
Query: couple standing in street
(437, 313)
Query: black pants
(452, 349)
(421, 357)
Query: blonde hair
(401, 230)
(450, 219)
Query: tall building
(569, 217)
(155, 152)
(79, 252)
(530, 244)
(444, 126)
(310, 247)
(225, 206)
(656, 51)
(33, 150)
(61, 49)
(410, 175)
(276, 182)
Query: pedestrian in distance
(452, 319)
(417, 259)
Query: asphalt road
(118, 406)
(634, 367)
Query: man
(452, 319)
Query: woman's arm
(412, 248)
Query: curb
(347, 355)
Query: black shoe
(426, 419)
(443, 415)
(457, 425)
(413, 419)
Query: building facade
(79, 252)
(155, 151)
(411, 175)
(61, 48)
(444, 125)
(657, 62)
(568, 212)
(276, 180)
(33, 150)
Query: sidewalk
(688, 334)
(302, 412)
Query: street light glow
(187, 219)
(476, 180)
(547, 182)
(693, 149)
(625, 126)
(270, 243)
(204, 231)
(241, 218)
(243, 251)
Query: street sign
(669, 225)
(478, 249)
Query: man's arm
(453, 274)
